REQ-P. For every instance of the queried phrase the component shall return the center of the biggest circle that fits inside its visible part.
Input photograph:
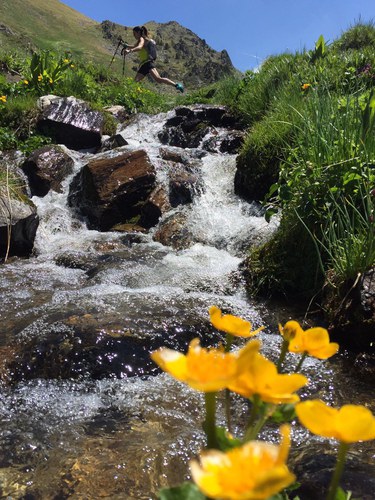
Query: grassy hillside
(50, 24)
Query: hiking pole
(120, 41)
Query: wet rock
(351, 312)
(191, 124)
(71, 122)
(182, 185)
(111, 191)
(314, 469)
(94, 345)
(172, 231)
(156, 206)
(113, 142)
(119, 112)
(46, 168)
(18, 224)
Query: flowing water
(125, 436)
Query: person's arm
(136, 47)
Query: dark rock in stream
(192, 123)
(46, 168)
(18, 224)
(71, 122)
(314, 471)
(112, 191)
(93, 346)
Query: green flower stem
(303, 357)
(341, 456)
(252, 424)
(228, 342)
(227, 410)
(284, 350)
(210, 421)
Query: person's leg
(155, 75)
(138, 77)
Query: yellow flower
(231, 324)
(72, 65)
(289, 330)
(50, 81)
(3, 98)
(349, 424)
(314, 341)
(40, 78)
(26, 82)
(305, 86)
(66, 61)
(207, 370)
(254, 471)
(259, 376)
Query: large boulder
(112, 190)
(71, 122)
(46, 168)
(18, 224)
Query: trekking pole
(123, 64)
(120, 41)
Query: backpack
(151, 49)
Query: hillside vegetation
(49, 24)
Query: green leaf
(225, 441)
(283, 413)
(269, 213)
(186, 491)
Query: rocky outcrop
(46, 168)
(18, 224)
(191, 124)
(71, 122)
(113, 190)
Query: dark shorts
(146, 68)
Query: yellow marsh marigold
(233, 325)
(314, 341)
(349, 424)
(40, 78)
(254, 471)
(259, 376)
(207, 370)
(3, 98)
(26, 82)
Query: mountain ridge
(31, 25)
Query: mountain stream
(125, 433)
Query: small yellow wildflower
(51, 81)
(305, 86)
(3, 98)
(66, 61)
(72, 65)
(259, 376)
(314, 341)
(233, 325)
(26, 82)
(254, 471)
(207, 370)
(40, 78)
(349, 424)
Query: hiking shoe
(179, 87)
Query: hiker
(145, 46)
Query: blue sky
(250, 30)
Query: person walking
(146, 49)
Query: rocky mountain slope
(50, 24)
